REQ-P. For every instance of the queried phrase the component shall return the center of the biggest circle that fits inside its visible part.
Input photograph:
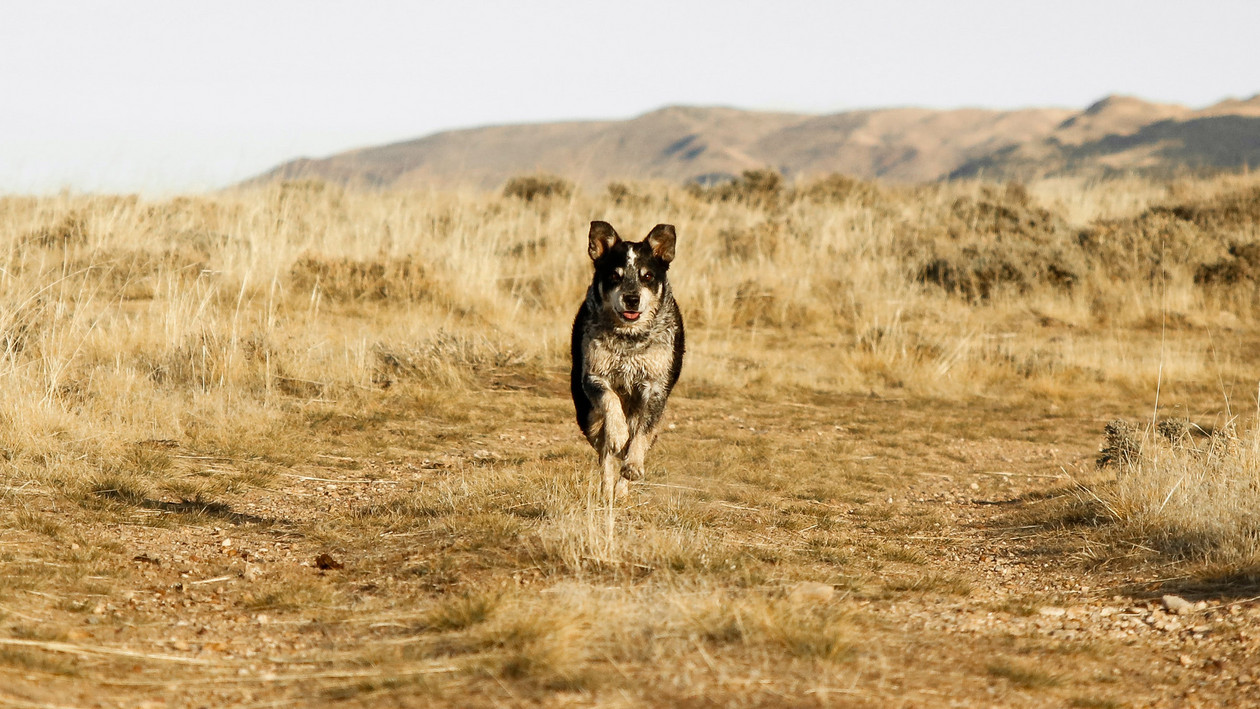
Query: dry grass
(1188, 496)
(200, 396)
(305, 290)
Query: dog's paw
(631, 472)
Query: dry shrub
(979, 271)
(1007, 214)
(626, 195)
(70, 230)
(1002, 241)
(973, 273)
(1197, 499)
(1153, 247)
(1208, 240)
(1175, 430)
(1122, 444)
(756, 188)
(344, 280)
(1225, 211)
(537, 187)
(1240, 267)
(839, 189)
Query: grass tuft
(1023, 677)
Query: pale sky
(166, 97)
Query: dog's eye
(646, 277)
(615, 277)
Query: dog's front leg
(650, 406)
(615, 432)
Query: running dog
(627, 351)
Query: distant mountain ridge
(1123, 134)
(683, 143)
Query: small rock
(227, 543)
(811, 592)
(1177, 604)
(252, 572)
(1185, 660)
(1052, 611)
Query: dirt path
(446, 552)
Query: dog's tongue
(630, 316)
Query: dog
(628, 347)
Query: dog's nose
(630, 300)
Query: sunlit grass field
(201, 397)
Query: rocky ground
(832, 551)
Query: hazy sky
(175, 96)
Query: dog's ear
(661, 239)
(603, 238)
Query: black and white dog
(627, 350)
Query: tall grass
(1186, 496)
(208, 320)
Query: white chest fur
(624, 364)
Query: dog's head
(630, 275)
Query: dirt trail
(962, 577)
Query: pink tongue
(630, 316)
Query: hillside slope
(681, 143)
(1122, 134)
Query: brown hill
(902, 144)
(1127, 135)
(687, 143)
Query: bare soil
(418, 553)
